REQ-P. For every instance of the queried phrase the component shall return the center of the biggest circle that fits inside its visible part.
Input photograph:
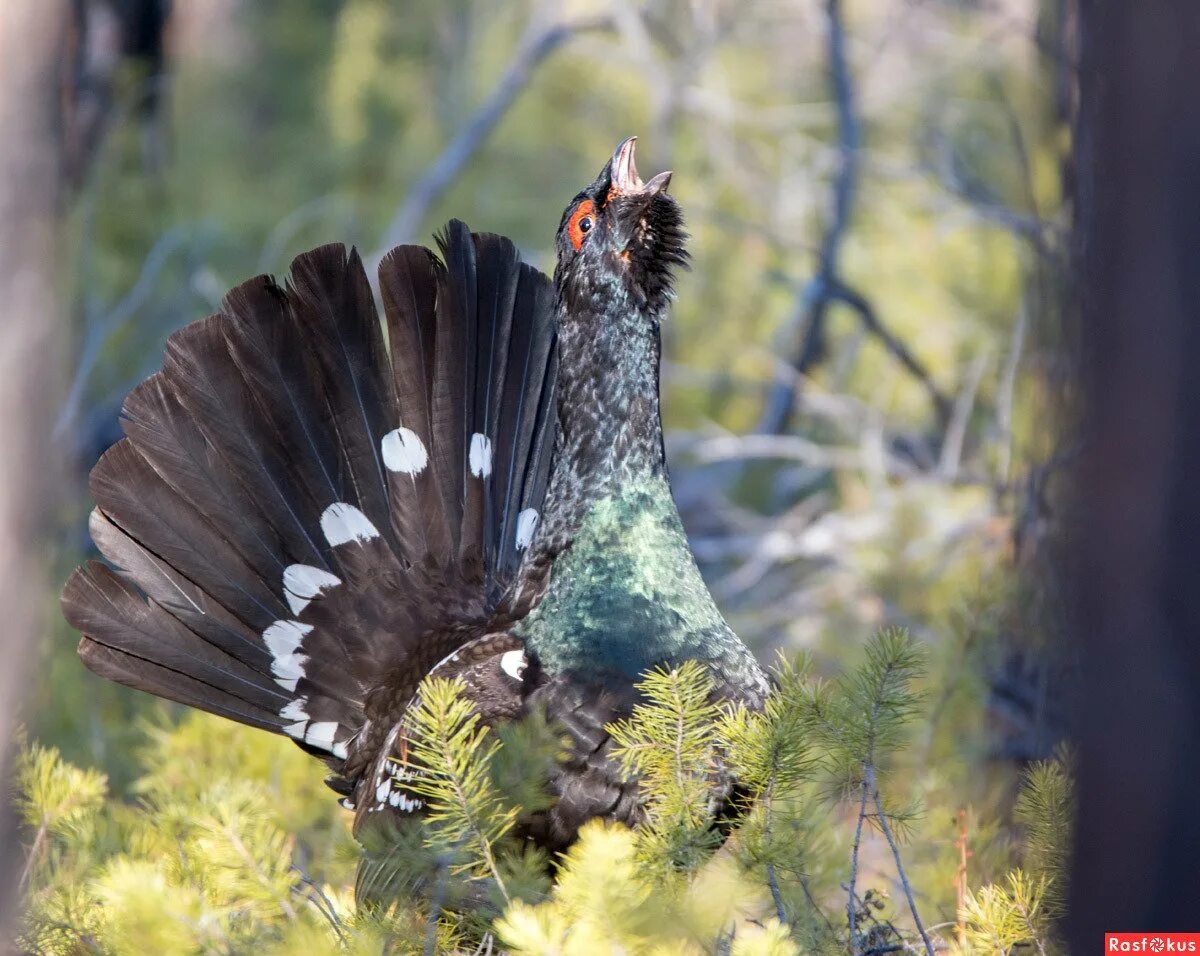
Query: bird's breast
(626, 595)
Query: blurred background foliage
(877, 192)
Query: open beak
(624, 175)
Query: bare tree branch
(103, 328)
(814, 299)
(900, 351)
(445, 169)
(792, 448)
(881, 816)
(960, 418)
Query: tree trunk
(1137, 544)
(29, 324)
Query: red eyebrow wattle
(574, 232)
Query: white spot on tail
(320, 734)
(342, 523)
(303, 582)
(513, 663)
(527, 522)
(382, 791)
(296, 730)
(406, 803)
(481, 455)
(404, 451)
(294, 709)
(283, 637)
(288, 669)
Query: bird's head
(620, 239)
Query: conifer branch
(454, 751)
(671, 743)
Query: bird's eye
(581, 222)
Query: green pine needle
(455, 750)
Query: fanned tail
(306, 516)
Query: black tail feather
(137, 500)
(167, 438)
(300, 515)
(335, 313)
(271, 355)
(211, 388)
(178, 596)
(524, 426)
(112, 612)
(409, 278)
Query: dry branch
(815, 297)
(827, 286)
(441, 174)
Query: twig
(852, 905)
(956, 431)
(813, 302)
(321, 901)
(792, 448)
(35, 851)
(871, 322)
(101, 330)
(289, 225)
(776, 896)
(1004, 401)
(803, 881)
(772, 880)
(869, 780)
(445, 169)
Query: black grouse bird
(307, 518)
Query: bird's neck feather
(610, 424)
(609, 436)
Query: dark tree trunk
(1137, 547)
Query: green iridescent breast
(627, 595)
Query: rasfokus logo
(1152, 942)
